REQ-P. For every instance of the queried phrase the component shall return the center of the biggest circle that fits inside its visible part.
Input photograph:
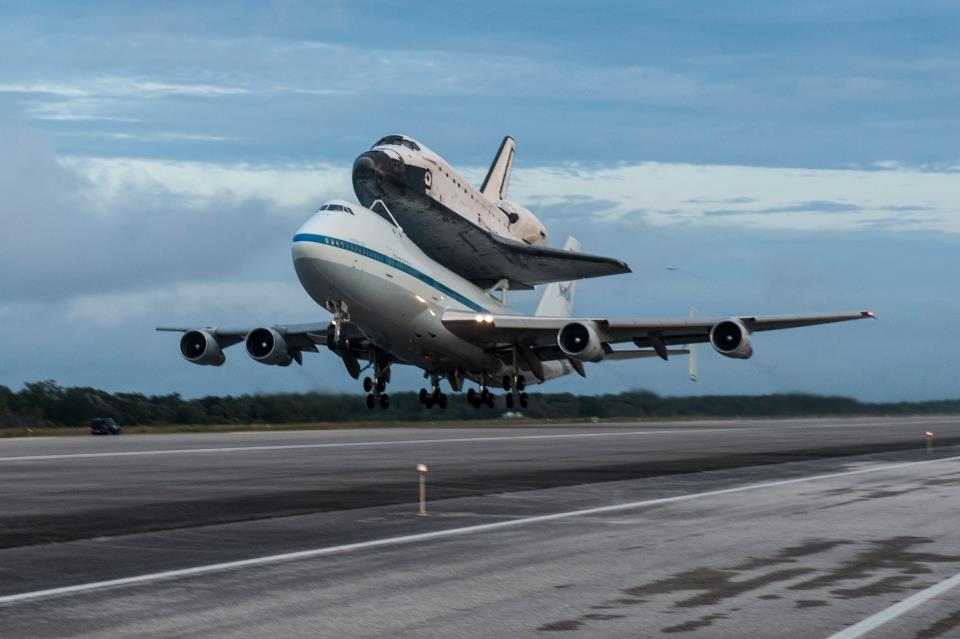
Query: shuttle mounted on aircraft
(476, 233)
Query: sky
(779, 157)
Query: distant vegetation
(45, 403)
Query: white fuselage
(393, 292)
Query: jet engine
(267, 346)
(731, 339)
(579, 340)
(201, 348)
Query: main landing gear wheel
(371, 401)
(524, 399)
(506, 383)
(367, 384)
(384, 401)
(509, 399)
(424, 395)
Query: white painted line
(439, 534)
(894, 611)
(401, 442)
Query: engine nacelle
(579, 340)
(267, 346)
(731, 338)
(201, 348)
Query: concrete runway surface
(787, 528)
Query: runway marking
(894, 611)
(400, 442)
(439, 534)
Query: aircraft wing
(539, 335)
(301, 336)
(298, 338)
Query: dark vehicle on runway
(104, 426)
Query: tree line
(45, 403)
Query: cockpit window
(336, 207)
(398, 140)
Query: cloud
(107, 227)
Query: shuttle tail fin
(557, 300)
(497, 182)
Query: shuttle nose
(364, 168)
(374, 170)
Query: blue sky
(785, 158)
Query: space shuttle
(477, 233)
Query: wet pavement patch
(895, 583)
(894, 554)
(716, 585)
(694, 624)
(561, 626)
(842, 578)
(941, 627)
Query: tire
(506, 383)
(521, 383)
(509, 400)
(443, 400)
(472, 396)
(381, 385)
(429, 402)
(371, 401)
(384, 401)
(524, 400)
(490, 400)
(367, 384)
(423, 395)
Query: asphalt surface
(745, 543)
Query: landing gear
(376, 386)
(514, 385)
(435, 396)
(477, 400)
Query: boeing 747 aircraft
(394, 305)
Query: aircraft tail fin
(557, 300)
(497, 182)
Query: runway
(702, 529)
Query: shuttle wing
(485, 258)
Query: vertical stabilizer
(497, 182)
(557, 300)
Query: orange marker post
(423, 470)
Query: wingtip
(869, 314)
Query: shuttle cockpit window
(397, 140)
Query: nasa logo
(565, 290)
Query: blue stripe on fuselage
(389, 261)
